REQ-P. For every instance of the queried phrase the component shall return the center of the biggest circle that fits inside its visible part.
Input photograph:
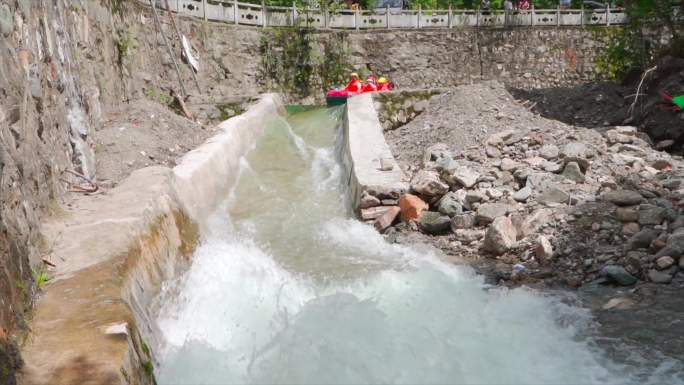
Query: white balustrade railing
(234, 12)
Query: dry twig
(638, 91)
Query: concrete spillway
(287, 288)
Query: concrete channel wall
(368, 160)
(94, 321)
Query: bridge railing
(234, 12)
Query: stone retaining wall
(373, 172)
(396, 108)
(95, 320)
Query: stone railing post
(607, 14)
(532, 16)
(263, 13)
(477, 18)
(324, 9)
(387, 16)
(450, 17)
(236, 12)
(356, 18)
(420, 12)
(204, 9)
(294, 14)
(582, 15)
(558, 16)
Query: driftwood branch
(79, 188)
(182, 105)
(638, 91)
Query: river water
(285, 288)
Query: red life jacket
(384, 86)
(354, 86)
(369, 87)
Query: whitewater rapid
(286, 288)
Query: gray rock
(368, 201)
(573, 172)
(508, 164)
(623, 197)
(619, 275)
(462, 221)
(553, 167)
(437, 152)
(6, 20)
(627, 214)
(465, 176)
(656, 276)
(642, 239)
(664, 262)
(449, 204)
(475, 196)
(674, 246)
(553, 195)
(549, 152)
(673, 184)
(25, 7)
(523, 194)
(487, 212)
(543, 250)
(432, 222)
(500, 236)
(492, 152)
(527, 225)
(468, 235)
(575, 150)
(428, 183)
(651, 215)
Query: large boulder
(500, 236)
(573, 172)
(411, 207)
(651, 215)
(674, 246)
(623, 197)
(436, 153)
(428, 183)
(465, 176)
(619, 275)
(387, 219)
(463, 221)
(642, 239)
(487, 212)
(527, 225)
(450, 204)
(432, 222)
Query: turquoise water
(286, 288)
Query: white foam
(251, 310)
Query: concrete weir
(369, 162)
(112, 253)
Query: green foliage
(148, 367)
(125, 43)
(628, 50)
(158, 96)
(286, 58)
(290, 63)
(334, 67)
(40, 277)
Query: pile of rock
(557, 202)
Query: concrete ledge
(363, 152)
(93, 322)
(204, 174)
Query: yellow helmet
(354, 74)
(382, 80)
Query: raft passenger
(355, 85)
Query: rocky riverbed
(536, 201)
